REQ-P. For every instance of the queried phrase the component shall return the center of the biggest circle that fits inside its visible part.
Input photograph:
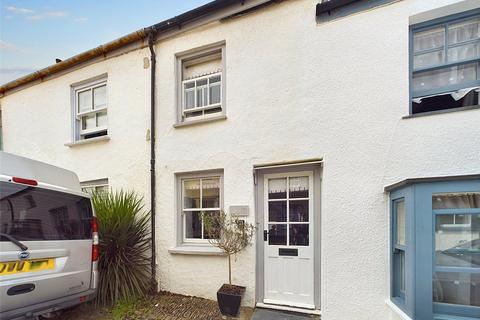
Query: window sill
(449, 317)
(397, 310)
(87, 141)
(201, 250)
(200, 121)
(431, 113)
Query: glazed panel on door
(288, 239)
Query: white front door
(288, 239)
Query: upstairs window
(445, 62)
(202, 95)
(90, 110)
(202, 84)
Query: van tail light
(95, 247)
(29, 182)
(94, 224)
(95, 252)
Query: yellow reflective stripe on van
(13, 267)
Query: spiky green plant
(125, 243)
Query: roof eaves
(329, 5)
(141, 34)
(75, 60)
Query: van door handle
(265, 235)
(21, 289)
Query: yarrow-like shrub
(125, 243)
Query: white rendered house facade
(349, 136)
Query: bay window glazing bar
(445, 45)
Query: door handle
(265, 235)
(23, 288)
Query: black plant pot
(229, 298)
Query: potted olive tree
(231, 235)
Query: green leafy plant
(124, 262)
(121, 309)
(228, 233)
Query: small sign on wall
(239, 211)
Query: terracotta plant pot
(229, 298)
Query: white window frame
(209, 105)
(88, 85)
(181, 221)
(456, 225)
(201, 54)
(99, 183)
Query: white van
(48, 239)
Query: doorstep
(269, 314)
(244, 314)
(286, 308)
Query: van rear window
(31, 213)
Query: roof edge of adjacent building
(411, 181)
(139, 35)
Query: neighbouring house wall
(37, 123)
(295, 89)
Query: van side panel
(56, 228)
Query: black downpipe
(151, 40)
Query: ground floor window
(399, 248)
(435, 259)
(91, 186)
(201, 195)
